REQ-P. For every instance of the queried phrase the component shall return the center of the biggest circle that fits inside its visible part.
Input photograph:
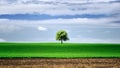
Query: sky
(86, 21)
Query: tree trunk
(61, 41)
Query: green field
(56, 50)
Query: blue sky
(86, 21)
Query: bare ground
(60, 63)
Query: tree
(61, 35)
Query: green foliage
(68, 50)
(61, 35)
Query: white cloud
(52, 1)
(2, 40)
(7, 25)
(63, 7)
(101, 0)
(97, 22)
(40, 28)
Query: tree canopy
(61, 35)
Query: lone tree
(61, 35)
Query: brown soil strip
(60, 63)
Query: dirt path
(60, 63)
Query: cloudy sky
(86, 21)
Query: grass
(56, 50)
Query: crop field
(57, 50)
